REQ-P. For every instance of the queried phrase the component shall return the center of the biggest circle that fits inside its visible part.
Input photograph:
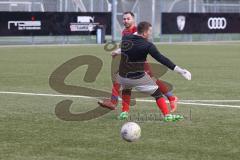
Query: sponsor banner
(53, 23)
(24, 25)
(188, 23)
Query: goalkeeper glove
(185, 73)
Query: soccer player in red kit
(132, 73)
(130, 28)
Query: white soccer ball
(131, 131)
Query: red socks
(115, 92)
(162, 106)
(126, 96)
(125, 102)
(171, 98)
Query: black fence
(188, 23)
(53, 23)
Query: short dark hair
(143, 26)
(129, 12)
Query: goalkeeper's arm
(165, 61)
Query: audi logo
(217, 23)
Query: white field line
(47, 45)
(163, 43)
(201, 43)
(190, 102)
(48, 95)
(212, 100)
(201, 100)
(194, 103)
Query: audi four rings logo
(217, 23)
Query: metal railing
(28, 6)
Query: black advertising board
(188, 23)
(53, 23)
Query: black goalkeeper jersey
(134, 50)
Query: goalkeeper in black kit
(135, 49)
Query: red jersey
(129, 31)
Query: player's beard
(127, 25)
